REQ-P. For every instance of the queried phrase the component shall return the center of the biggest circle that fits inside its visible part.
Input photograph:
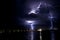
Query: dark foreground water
(26, 35)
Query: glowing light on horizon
(40, 30)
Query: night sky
(15, 12)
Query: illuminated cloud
(32, 12)
(51, 16)
(35, 10)
(30, 22)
